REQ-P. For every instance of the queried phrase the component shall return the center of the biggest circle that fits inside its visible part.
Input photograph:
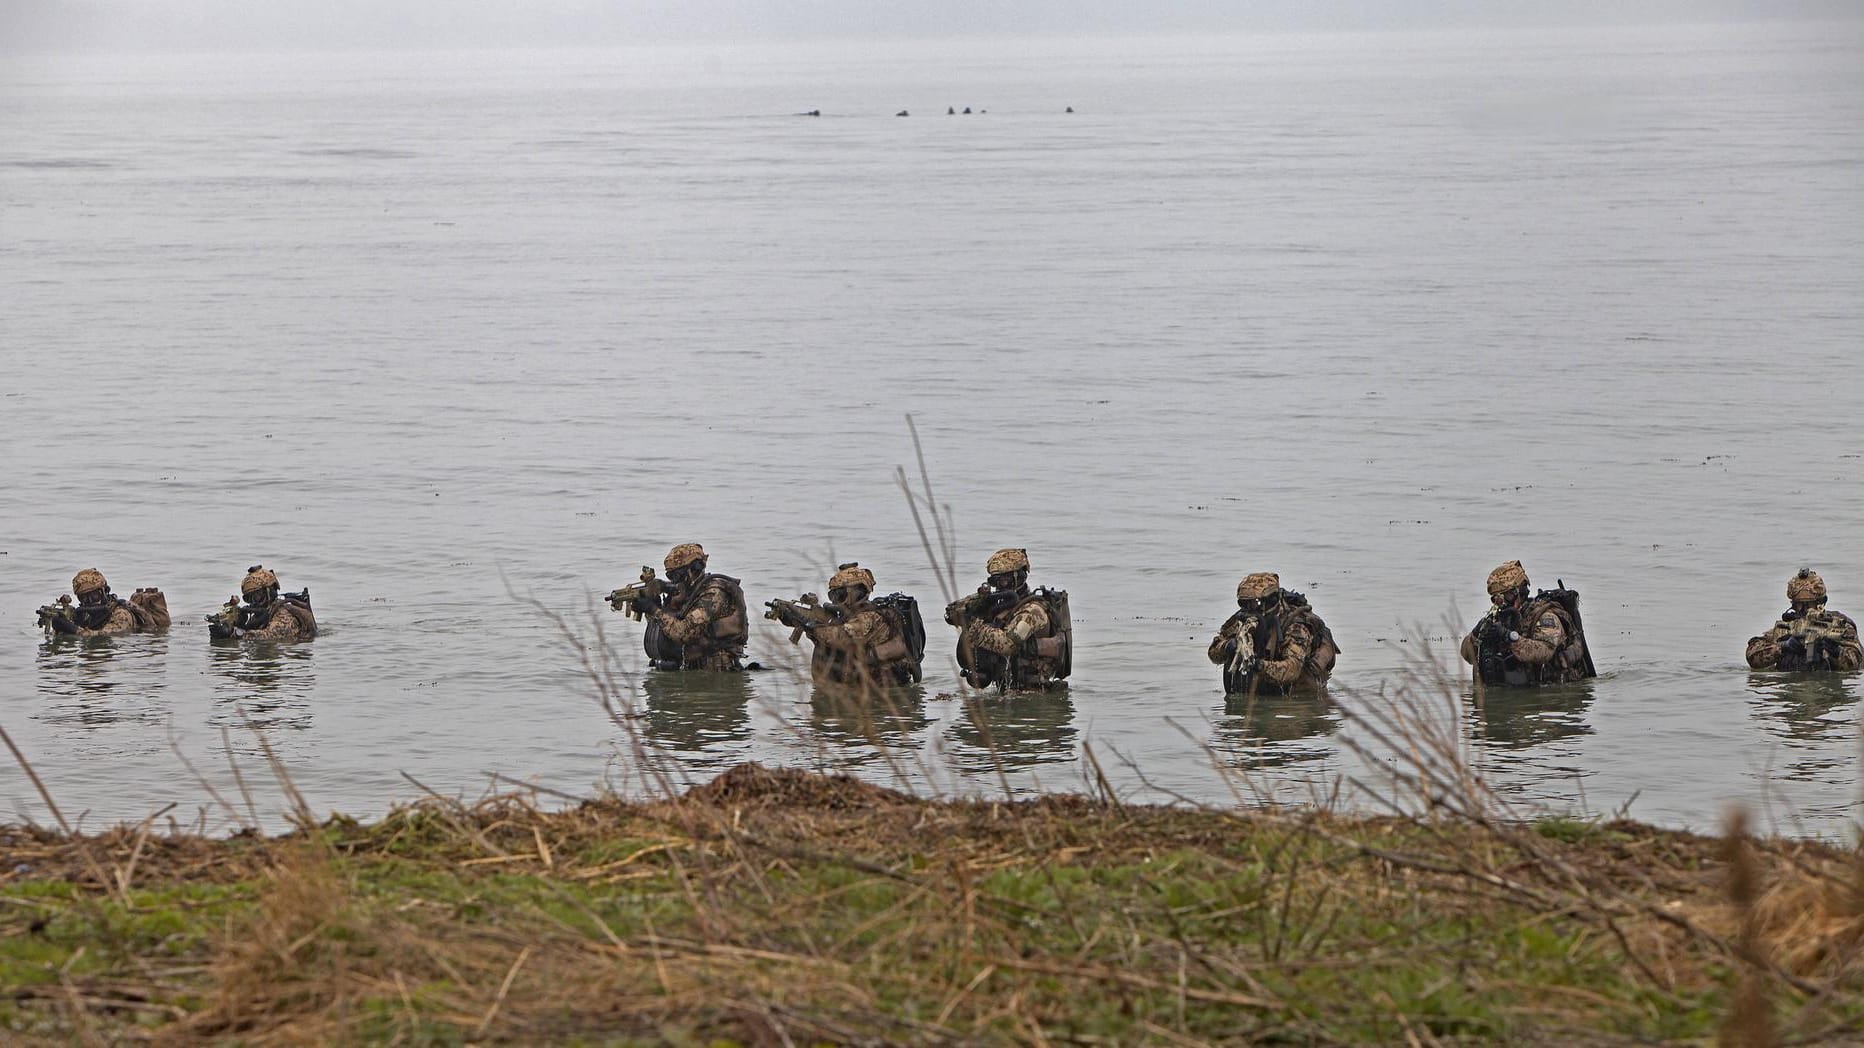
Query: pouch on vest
(151, 610)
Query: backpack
(904, 611)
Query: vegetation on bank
(778, 907)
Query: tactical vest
(1495, 664)
(1321, 656)
(895, 660)
(1044, 659)
(729, 632)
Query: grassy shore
(776, 907)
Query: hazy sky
(216, 25)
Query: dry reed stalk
(1750, 1021)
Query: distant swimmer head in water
(1070, 109)
(902, 113)
(967, 110)
(813, 112)
(949, 111)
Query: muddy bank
(786, 907)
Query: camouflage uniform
(1001, 632)
(1295, 648)
(1808, 637)
(865, 644)
(266, 614)
(111, 616)
(708, 623)
(1546, 646)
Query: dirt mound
(754, 784)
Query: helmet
(1806, 586)
(87, 580)
(1510, 576)
(852, 574)
(683, 554)
(1007, 560)
(1258, 585)
(257, 578)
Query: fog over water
(430, 333)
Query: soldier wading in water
(101, 613)
(1009, 636)
(859, 640)
(1807, 637)
(1274, 644)
(695, 621)
(267, 614)
(1527, 640)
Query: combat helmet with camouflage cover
(683, 554)
(1005, 561)
(258, 577)
(1258, 585)
(1507, 578)
(88, 581)
(1806, 587)
(851, 574)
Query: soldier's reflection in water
(858, 718)
(696, 712)
(1275, 731)
(1807, 707)
(267, 681)
(81, 679)
(1023, 728)
(1516, 718)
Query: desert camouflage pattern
(257, 579)
(1769, 651)
(1010, 634)
(864, 647)
(88, 580)
(146, 611)
(1295, 646)
(1550, 649)
(1258, 585)
(1508, 577)
(1805, 587)
(709, 624)
(1007, 560)
(683, 554)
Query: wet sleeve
(1029, 621)
(862, 631)
(121, 621)
(1296, 645)
(1763, 652)
(696, 624)
(1540, 640)
(1223, 645)
(1469, 647)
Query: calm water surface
(434, 334)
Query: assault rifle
(1494, 643)
(797, 614)
(635, 598)
(224, 624)
(1809, 640)
(980, 605)
(59, 617)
